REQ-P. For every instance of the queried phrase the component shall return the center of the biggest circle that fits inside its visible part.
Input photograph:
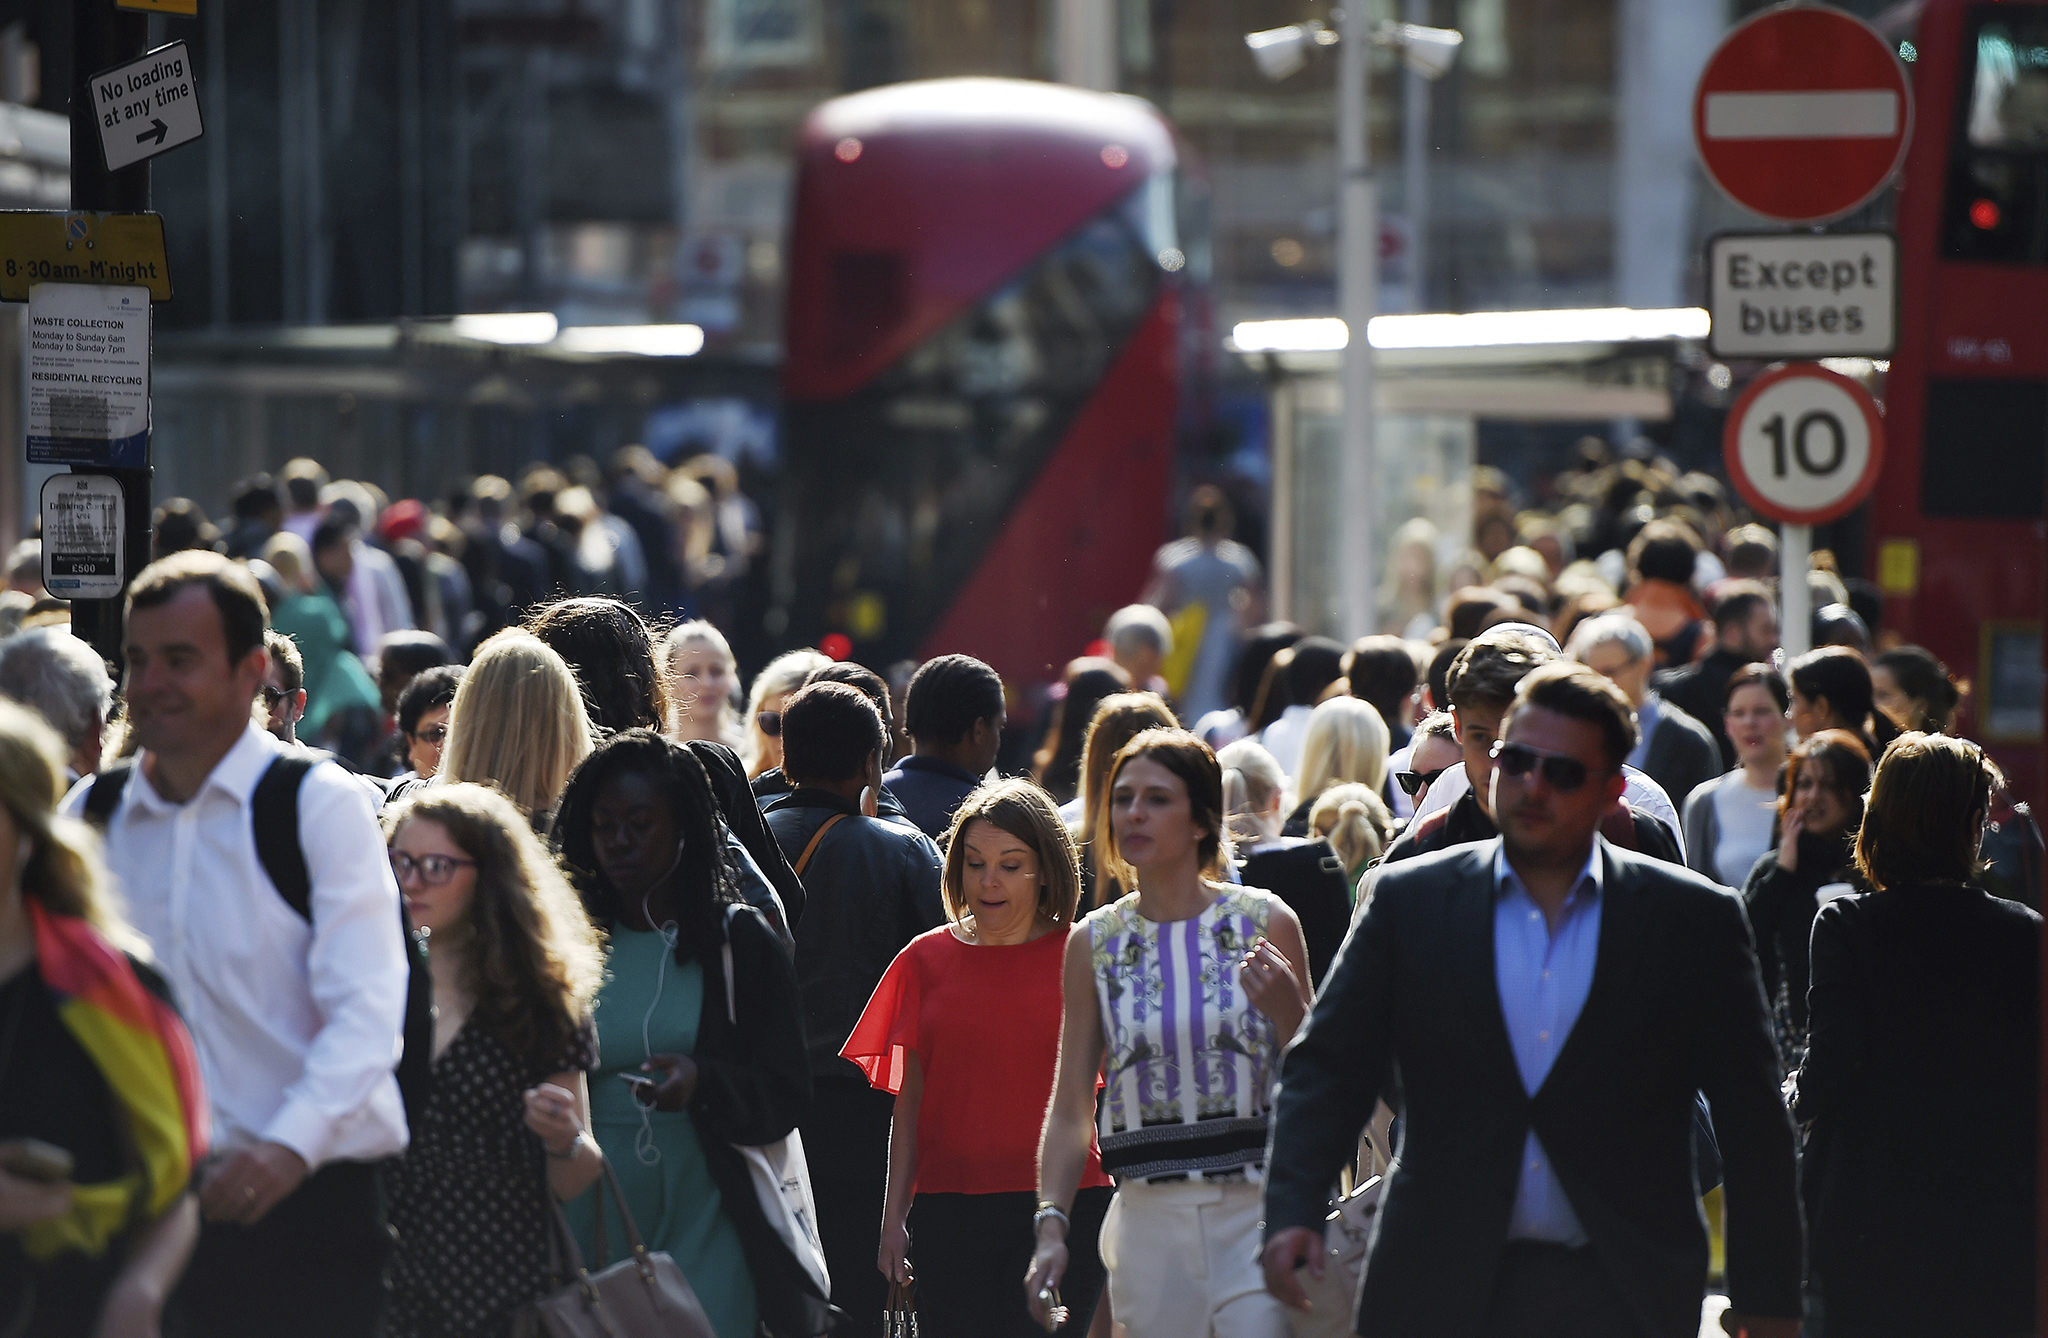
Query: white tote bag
(782, 1178)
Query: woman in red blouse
(965, 1030)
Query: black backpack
(274, 817)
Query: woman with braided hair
(687, 1068)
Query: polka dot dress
(469, 1199)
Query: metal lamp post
(1430, 52)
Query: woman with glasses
(1921, 1078)
(699, 1022)
(774, 686)
(515, 968)
(1812, 861)
(1433, 751)
(423, 721)
(1728, 822)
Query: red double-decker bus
(1957, 526)
(993, 301)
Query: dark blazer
(1921, 1082)
(1700, 689)
(1675, 1009)
(1682, 756)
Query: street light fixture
(1430, 52)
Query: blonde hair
(534, 964)
(699, 632)
(291, 558)
(1346, 741)
(1252, 780)
(63, 872)
(517, 722)
(784, 675)
(1026, 812)
(1356, 823)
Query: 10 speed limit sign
(1803, 444)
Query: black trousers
(1550, 1291)
(970, 1253)
(846, 1144)
(312, 1268)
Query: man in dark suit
(1672, 748)
(1551, 1004)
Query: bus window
(1986, 449)
(1997, 206)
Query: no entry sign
(1803, 444)
(1802, 114)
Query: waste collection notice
(86, 367)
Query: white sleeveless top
(1189, 1064)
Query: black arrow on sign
(157, 130)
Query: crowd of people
(336, 946)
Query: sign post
(1803, 446)
(105, 38)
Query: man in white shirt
(296, 1018)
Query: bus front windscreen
(1997, 205)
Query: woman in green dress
(684, 1076)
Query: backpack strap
(803, 861)
(104, 795)
(274, 814)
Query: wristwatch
(1047, 1208)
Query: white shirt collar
(235, 775)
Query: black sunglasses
(272, 696)
(1563, 774)
(1413, 783)
(770, 723)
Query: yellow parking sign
(160, 6)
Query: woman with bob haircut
(515, 966)
(95, 1065)
(1926, 986)
(691, 1064)
(517, 722)
(970, 1099)
(1180, 995)
(1812, 859)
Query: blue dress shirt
(1543, 978)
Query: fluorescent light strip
(650, 341)
(1478, 329)
(507, 327)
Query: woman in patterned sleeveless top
(1180, 995)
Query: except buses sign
(1802, 114)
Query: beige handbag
(1345, 1233)
(643, 1296)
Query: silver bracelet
(575, 1146)
(1048, 1209)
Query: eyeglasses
(433, 870)
(433, 734)
(1563, 774)
(273, 696)
(770, 723)
(1413, 783)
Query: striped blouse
(1189, 1063)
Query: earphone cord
(643, 1142)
